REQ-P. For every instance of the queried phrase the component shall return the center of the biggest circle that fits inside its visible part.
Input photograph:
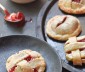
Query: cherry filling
(82, 40)
(61, 22)
(15, 16)
(12, 69)
(82, 49)
(69, 52)
(28, 58)
(78, 1)
(35, 70)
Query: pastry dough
(75, 50)
(72, 6)
(61, 27)
(26, 61)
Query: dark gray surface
(29, 10)
(48, 11)
(12, 44)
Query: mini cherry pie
(72, 6)
(75, 50)
(61, 27)
(26, 61)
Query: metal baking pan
(49, 10)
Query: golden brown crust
(75, 50)
(72, 7)
(69, 26)
(21, 63)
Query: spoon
(13, 17)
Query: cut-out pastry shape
(75, 50)
(26, 61)
(72, 6)
(61, 27)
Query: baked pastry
(72, 6)
(26, 61)
(75, 50)
(61, 27)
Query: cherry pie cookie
(75, 50)
(72, 6)
(62, 27)
(26, 61)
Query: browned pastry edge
(69, 10)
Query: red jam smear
(82, 40)
(15, 16)
(78, 1)
(6, 12)
(28, 58)
(12, 69)
(61, 22)
(35, 70)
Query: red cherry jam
(12, 69)
(62, 21)
(35, 70)
(6, 12)
(15, 16)
(78, 1)
(28, 58)
(82, 40)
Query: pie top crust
(72, 6)
(26, 61)
(75, 50)
(62, 27)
